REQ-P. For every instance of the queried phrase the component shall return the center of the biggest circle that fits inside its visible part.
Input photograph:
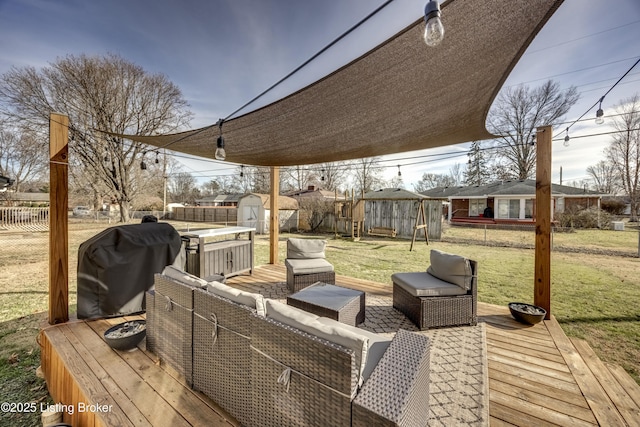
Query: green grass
(19, 359)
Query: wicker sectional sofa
(269, 364)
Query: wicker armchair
(306, 264)
(445, 295)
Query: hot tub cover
(116, 267)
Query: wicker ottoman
(335, 302)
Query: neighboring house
(10, 198)
(254, 210)
(219, 200)
(509, 201)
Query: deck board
(537, 376)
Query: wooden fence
(225, 215)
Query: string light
(399, 173)
(566, 139)
(600, 113)
(433, 30)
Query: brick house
(510, 202)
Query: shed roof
(219, 198)
(525, 187)
(401, 96)
(393, 194)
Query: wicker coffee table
(323, 299)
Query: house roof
(28, 197)
(219, 198)
(393, 194)
(284, 202)
(525, 187)
(401, 96)
(315, 192)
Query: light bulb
(566, 141)
(599, 116)
(220, 153)
(434, 30)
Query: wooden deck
(537, 376)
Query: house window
(477, 206)
(560, 204)
(510, 208)
(528, 208)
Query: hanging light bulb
(157, 160)
(322, 176)
(241, 171)
(566, 139)
(143, 165)
(399, 173)
(600, 113)
(434, 30)
(220, 154)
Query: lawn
(595, 287)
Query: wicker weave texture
(222, 368)
(297, 282)
(179, 293)
(397, 392)
(352, 313)
(300, 402)
(321, 360)
(227, 313)
(173, 335)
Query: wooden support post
(274, 221)
(542, 274)
(58, 218)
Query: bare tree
(456, 174)
(335, 175)
(298, 177)
(433, 180)
(604, 177)
(98, 94)
(23, 157)
(517, 113)
(183, 188)
(624, 150)
(366, 173)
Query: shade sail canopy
(401, 96)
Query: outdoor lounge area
(536, 375)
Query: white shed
(254, 211)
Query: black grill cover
(116, 267)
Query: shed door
(250, 216)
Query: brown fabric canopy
(401, 96)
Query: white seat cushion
(184, 277)
(305, 248)
(236, 295)
(308, 266)
(425, 285)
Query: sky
(222, 53)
